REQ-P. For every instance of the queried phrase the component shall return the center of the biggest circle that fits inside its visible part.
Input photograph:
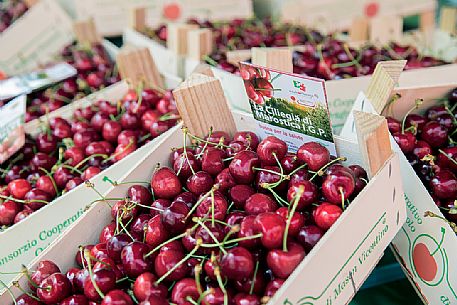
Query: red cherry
(123, 150)
(149, 117)
(54, 288)
(145, 288)
(260, 203)
(242, 166)
(117, 297)
(174, 217)
(115, 244)
(44, 269)
(272, 227)
(200, 183)
(308, 197)
(104, 279)
(165, 184)
(246, 299)
(155, 232)
(212, 161)
(74, 155)
(447, 158)
(45, 184)
(111, 130)
(134, 260)
(237, 264)
(338, 187)
(416, 120)
(76, 299)
(24, 299)
(249, 138)
(239, 194)
(220, 206)
(8, 211)
(269, 147)
(444, 185)
(406, 141)
(297, 221)
(326, 214)
(183, 289)
(273, 286)
(435, 134)
(225, 181)
(283, 263)
(18, 188)
(309, 235)
(90, 172)
(315, 155)
(46, 143)
(166, 260)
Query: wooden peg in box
(448, 19)
(177, 37)
(237, 56)
(359, 29)
(138, 66)
(138, 18)
(383, 81)
(374, 140)
(199, 43)
(202, 105)
(384, 29)
(274, 58)
(86, 32)
(203, 69)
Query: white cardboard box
(422, 236)
(359, 237)
(21, 243)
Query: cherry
(174, 217)
(115, 244)
(126, 137)
(165, 184)
(123, 150)
(214, 297)
(314, 154)
(36, 199)
(237, 263)
(269, 148)
(434, 112)
(200, 183)
(225, 181)
(22, 215)
(111, 130)
(104, 279)
(61, 176)
(257, 283)
(76, 299)
(308, 197)
(46, 143)
(149, 117)
(145, 288)
(166, 260)
(444, 185)
(235, 147)
(117, 297)
(139, 194)
(260, 203)
(184, 289)
(44, 269)
(309, 235)
(84, 138)
(266, 176)
(90, 172)
(107, 232)
(272, 227)
(24, 299)
(129, 121)
(212, 161)
(249, 138)
(19, 188)
(242, 166)
(434, 134)
(8, 211)
(45, 184)
(124, 210)
(134, 260)
(246, 299)
(220, 206)
(99, 251)
(338, 187)
(239, 194)
(54, 288)
(297, 221)
(273, 286)
(326, 214)
(218, 136)
(446, 157)
(422, 149)
(185, 165)
(406, 141)
(62, 131)
(155, 232)
(283, 263)
(159, 205)
(248, 229)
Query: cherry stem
(191, 301)
(447, 156)
(52, 180)
(213, 209)
(298, 195)
(23, 201)
(233, 230)
(320, 172)
(278, 198)
(251, 290)
(91, 276)
(18, 286)
(87, 159)
(139, 90)
(340, 189)
(211, 235)
(185, 258)
(200, 154)
(431, 214)
(417, 103)
(232, 241)
(197, 272)
(89, 184)
(185, 132)
(115, 183)
(217, 273)
(9, 292)
(454, 120)
(200, 200)
(204, 294)
(210, 61)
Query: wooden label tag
(177, 37)
(384, 29)
(448, 19)
(235, 57)
(203, 69)
(137, 66)
(86, 32)
(202, 105)
(273, 58)
(199, 43)
(383, 81)
(138, 18)
(374, 140)
(359, 29)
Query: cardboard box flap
(202, 105)
(373, 139)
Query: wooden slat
(138, 18)
(86, 32)
(202, 104)
(448, 19)
(274, 58)
(199, 43)
(177, 37)
(359, 29)
(373, 139)
(235, 57)
(384, 29)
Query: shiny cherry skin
(134, 260)
(200, 183)
(308, 197)
(338, 186)
(24, 299)
(45, 184)
(326, 214)
(165, 260)
(155, 232)
(36, 199)
(46, 143)
(435, 134)
(8, 211)
(174, 217)
(104, 279)
(314, 154)
(272, 227)
(260, 203)
(406, 141)
(393, 125)
(220, 206)
(212, 161)
(225, 181)
(249, 138)
(269, 147)
(237, 263)
(448, 158)
(283, 263)
(183, 289)
(139, 194)
(296, 223)
(246, 299)
(115, 244)
(242, 167)
(54, 288)
(308, 236)
(77, 299)
(444, 185)
(44, 269)
(144, 287)
(239, 194)
(165, 184)
(184, 164)
(19, 188)
(117, 297)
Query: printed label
(12, 135)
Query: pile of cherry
(429, 141)
(68, 152)
(95, 70)
(227, 224)
(321, 56)
(10, 11)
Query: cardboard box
(24, 241)
(113, 16)
(423, 243)
(35, 38)
(372, 219)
